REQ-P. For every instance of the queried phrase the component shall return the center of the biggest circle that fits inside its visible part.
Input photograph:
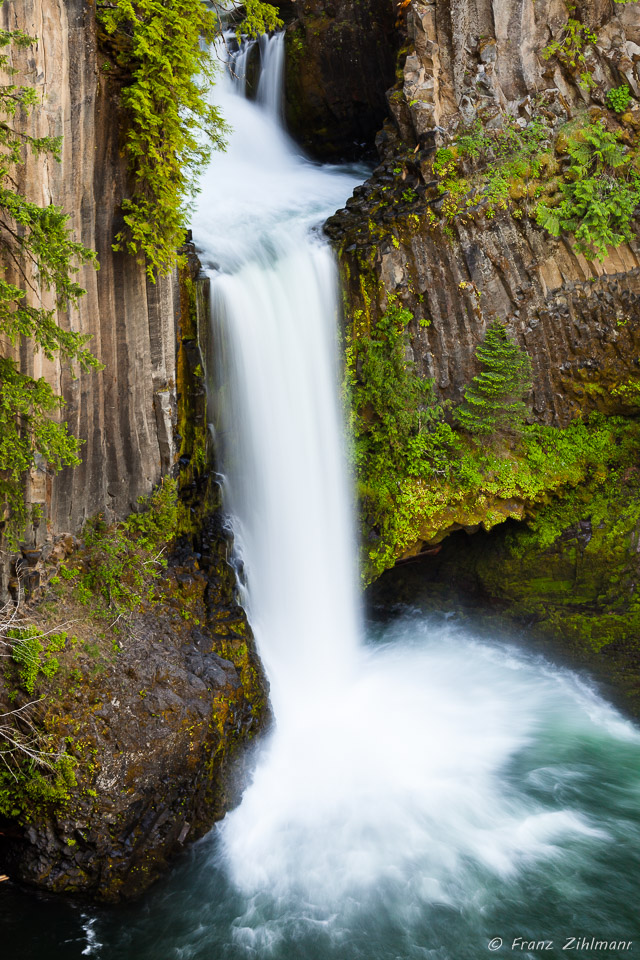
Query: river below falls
(502, 800)
(427, 793)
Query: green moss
(32, 788)
(587, 544)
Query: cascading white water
(239, 66)
(274, 315)
(270, 85)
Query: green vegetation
(34, 778)
(163, 46)
(570, 49)
(118, 567)
(418, 476)
(34, 653)
(592, 194)
(396, 422)
(499, 160)
(112, 574)
(39, 254)
(601, 195)
(35, 768)
(494, 401)
(572, 568)
(618, 98)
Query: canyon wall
(341, 59)
(125, 413)
(146, 709)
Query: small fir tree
(494, 400)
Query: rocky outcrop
(340, 61)
(569, 580)
(579, 320)
(154, 712)
(157, 719)
(125, 413)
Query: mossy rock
(568, 578)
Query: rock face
(125, 413)
(156, 720)
(158, 717)
(468, 65)
(340, 61)
(578, 320)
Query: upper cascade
(274, 307)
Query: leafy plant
(396, 420)
(500, 158)
(120, 562)
(33, 652)
(601, 194)
(570, 48)
(618, 98)
(494, 400)
(39, 254)
(35, 769)
(164, 46)
(397, 425)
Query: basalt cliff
(479, 129)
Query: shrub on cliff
(398, 424)
(38, 254)
(164, 47)
(601, 194)
(494, 400)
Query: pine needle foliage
(494, 400)
(37, 245)
(164, 47)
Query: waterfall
(238, 65)
(274, 296)
(271, 75)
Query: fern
(601, 196)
